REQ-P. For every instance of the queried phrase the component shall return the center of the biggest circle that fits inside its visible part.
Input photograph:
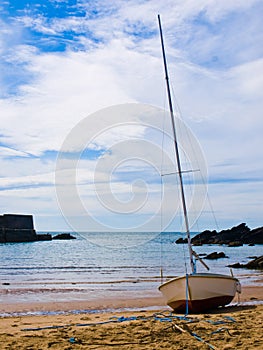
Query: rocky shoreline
(255, 264)
(234, 237)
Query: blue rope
(47, 327)
(114, 319)
(229, 318)
(221, 330)
(201, 340)
(186, 294)
(159, 316)
(194, 265)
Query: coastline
(45, 300)
(250, 293)
(134, 323)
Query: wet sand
(106, 324)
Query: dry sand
(233, 327)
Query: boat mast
(177, 155)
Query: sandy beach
(132, 324)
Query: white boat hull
(199, 292)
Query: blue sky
(62, 61)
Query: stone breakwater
(16, 228)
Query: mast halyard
(177, 155)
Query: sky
(84, 140)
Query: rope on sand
(228, 318)
(222, 330)
(44, 328)
(202, 340)
(159, 317)
(156, 317)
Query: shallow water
(62, 270)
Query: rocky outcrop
(255, 236)
(64, 236)
(181, 240)
(236, 236)
(44, 237)
(255, 264)
(215, 255)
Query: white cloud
(8, 152)
(215, 62)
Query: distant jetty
(17, 228)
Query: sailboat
(194, 292)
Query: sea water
(99, 265)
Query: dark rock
(235, 233)
(236, 265)
(255, 236)
(215, 255)
(44, 237)
(181, 240)
(236, 236)
(255, 264)
(197, 244)
(235, 244)
(64, 236)
(203, 237)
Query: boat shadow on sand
(231, 309)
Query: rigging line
(161, 257)
(193, 150)
(177, 155)
(182, 172)
(191, 181)
(185, 264)
(202, 177)
(176, 104)
(161, 179)
(212, 211)
(203, 181)
(161, 231)
(180, 116)
(189, 140)
(177, 186)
